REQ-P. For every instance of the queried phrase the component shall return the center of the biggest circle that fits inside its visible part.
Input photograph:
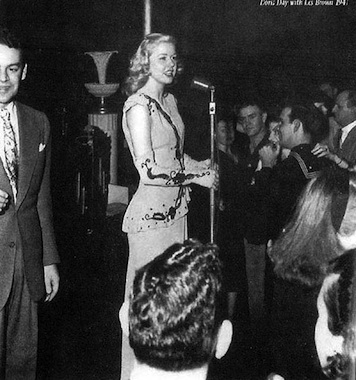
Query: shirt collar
(348, 127)
(12, 110)
(346, 130)
(10, 107)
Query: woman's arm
(139, 125)
(322, 150)
(190, 163)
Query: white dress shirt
(15, 125)
(345, 131)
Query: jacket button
(12, 245)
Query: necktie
(337, 140)
(10, 148)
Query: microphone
(201, 84)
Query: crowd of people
(283, 264)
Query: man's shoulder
(348, 149)
(286, 169)
(351, 135)
(33, 116)
(304, 151)
(28, 109)
(307, 164)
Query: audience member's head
(323, 102)
(301, 124)
(322, 228)
(273, 122)
(329, 88)
(252, 116)
(175, 315)
(225, 131)
(335, 336)
(345, 107)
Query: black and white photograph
(177, 189)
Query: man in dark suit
(28, 253)
(343, 150)
(345, 115)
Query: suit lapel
(29, 142)
(349, 144)
(350, 138)
(337, 139)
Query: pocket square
(41, 147)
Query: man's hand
(268, 155)
(322, 150)
(205, 164)
(51, 281)
(209, 179)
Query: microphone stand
(212, 111)
(202, 84)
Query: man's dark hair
(9, 39)
(314, 121)
(251, 100)
(351, 98)
(175, 309)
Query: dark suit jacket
(28, 225)
(348, 149)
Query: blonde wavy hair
(309, 241)
(139, 63)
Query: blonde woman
(157, 214)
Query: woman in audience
(322, 229)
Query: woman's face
(225, 133)
(273, 127)
(326, 343)
(163, 63)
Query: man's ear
(297, 124)
(124, 318)
(224, 339)
(351, 108)
(24, 72)
(264, 117)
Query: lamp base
(102, 91)
(103, 109)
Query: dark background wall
(235, 43)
